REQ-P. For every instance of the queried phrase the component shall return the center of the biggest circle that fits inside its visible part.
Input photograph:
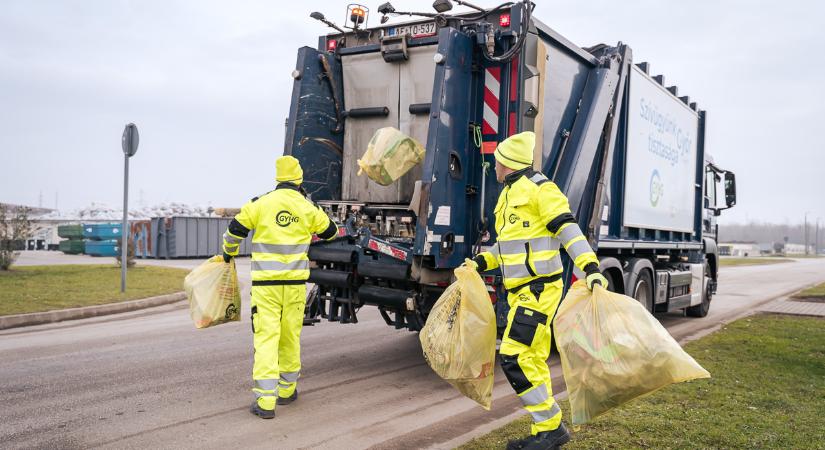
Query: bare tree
(15, 228)
(130, 254)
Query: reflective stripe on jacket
(533, 220)
(284, 222)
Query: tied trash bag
(459, 338)
(390, 154)
(612, 351)
(213, 293)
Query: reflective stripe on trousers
(265, 388)
(290, 377)
(287, 384)
(535, 396)
(545, 414)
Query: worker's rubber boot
(260, 412)
(288, 400)
(516, 444)
(545, 440)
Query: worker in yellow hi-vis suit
(284, 221)
(532, 220)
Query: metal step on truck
(628, 150)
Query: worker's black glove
(227, 257)
(477, 263)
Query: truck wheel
(643, 290)
(611, 285)
(701, 310)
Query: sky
(208, 84)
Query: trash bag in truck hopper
(613, 350)
(459, 338)
(390, 154)
(213, 293)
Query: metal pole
(124, 234)
(816, 245)
(805, 231)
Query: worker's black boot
(260, 412)
(516, 444)
(546, 440)
(288, 400)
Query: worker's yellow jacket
(284, 221)
(532, 220)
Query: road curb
(85, 312)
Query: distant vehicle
(627, 150)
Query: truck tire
(611, 284)
(643, 290)
(701, 310)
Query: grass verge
(816, 292)
(725, 261)
(766, 392)
(44, 288)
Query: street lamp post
(806, 233)
(129, 143)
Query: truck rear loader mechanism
(627, 150)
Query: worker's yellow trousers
(525, 348)
(277, 318)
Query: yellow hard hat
(516, 152)
(288, 169)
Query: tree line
(761, 232)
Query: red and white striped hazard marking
(492, 90)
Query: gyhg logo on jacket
(285, 218)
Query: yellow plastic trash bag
(612, 351)
(390, 154)
(213, 293)
(459, 338)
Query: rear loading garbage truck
(628, 150)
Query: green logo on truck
(657, 189)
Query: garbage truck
(627, 149)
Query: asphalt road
(149, 379)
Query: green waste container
(74, 231)
(72, 246)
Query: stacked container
(103, 238)
(103, 248)
(73, 243)
(102, 231)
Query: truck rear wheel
(643, 290)
(611, 285)
(701, 310)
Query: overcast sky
(208, 84)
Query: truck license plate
(414, 30)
